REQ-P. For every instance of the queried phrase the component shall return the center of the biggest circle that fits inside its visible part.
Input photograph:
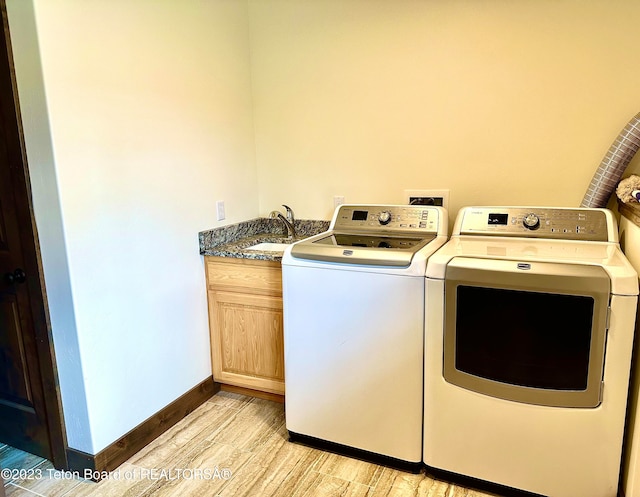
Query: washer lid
(374, 235)
(358, 248)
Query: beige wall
(147, 122)
(502, 102)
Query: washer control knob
(531, 221)
(384, 217)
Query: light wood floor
(231, 446)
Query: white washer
(353, 331)
(529, 330)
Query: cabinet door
(247, 346)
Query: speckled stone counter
(233, 240)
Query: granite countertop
(233, 240)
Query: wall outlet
(427, 197)
(220, 210)
(338, 200)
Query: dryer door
(529, 332)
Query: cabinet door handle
(18, 276)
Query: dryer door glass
(535, 336)
(537, 340)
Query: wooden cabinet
(245, 321)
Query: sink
(269, 247)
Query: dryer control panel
(538, 222)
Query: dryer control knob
(384, 217)
(531, 221)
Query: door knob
(18, 276)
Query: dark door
(30, 415)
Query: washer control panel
(535, 222)
(416, 218)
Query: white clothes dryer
(529, 328)
(630, 244)
(354, 330)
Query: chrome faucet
(288, 221)
(289, 213)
